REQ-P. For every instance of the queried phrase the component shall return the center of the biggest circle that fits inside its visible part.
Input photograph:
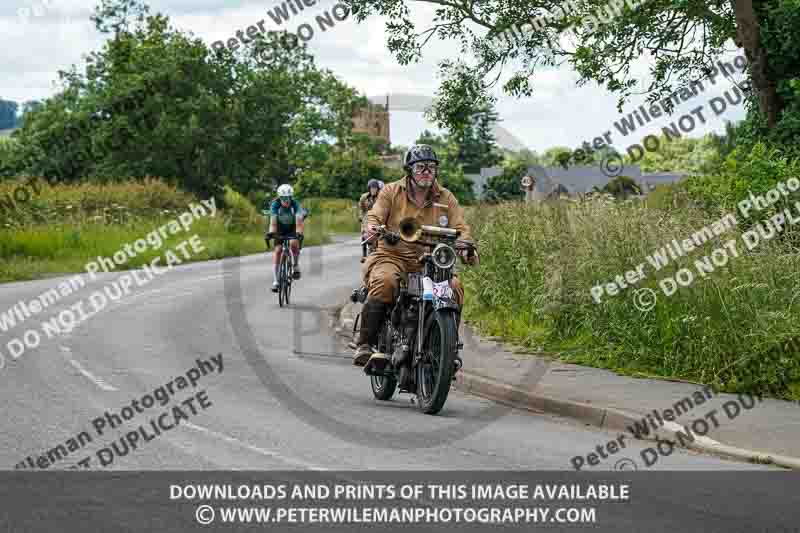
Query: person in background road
(365, 203)
(286, 218)
(416, 195)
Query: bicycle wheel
(282, 282)
(288, 277)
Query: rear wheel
(383, 387)
(435, 369)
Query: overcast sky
(48, 35)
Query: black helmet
(373, 183)
(417, 153)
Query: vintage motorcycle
(418, 344)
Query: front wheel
(288, 277)
(435, 369)
(283, 281)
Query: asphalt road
(287, 397)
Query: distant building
(373, 120)
(479, 180)
(650, 181)
(7, 133)
(577, 180)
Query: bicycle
(286, 268)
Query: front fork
(459, 363)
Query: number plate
(443, 290)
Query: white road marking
(128, 299)
(252, 448)
(94, 379)
(164, 298)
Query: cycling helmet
(380, 185)
(373, 183)
(285, 190)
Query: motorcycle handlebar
(393, 237)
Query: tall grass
(332, 215)
(61, 228)
(77, 204)
(735, 329)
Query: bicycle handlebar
(284, 238)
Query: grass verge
(735, 328)
(59, 229)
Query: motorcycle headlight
(444, 256)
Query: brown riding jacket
(393, 205)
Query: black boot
(372, 316)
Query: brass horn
(410, 229)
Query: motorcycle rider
(417, 195)
(286, 218)
(365, 203)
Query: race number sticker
(442, 290)
(443, 221)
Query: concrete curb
(599, 416)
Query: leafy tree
(725, 144)
(622, 187)
(530, 157)
(601, 40)
(158, 102)
(557, 156)
(477, 146)
(344, 174)
(451, 172)
(679, 155)
(8, 157)
(507, 186)
(27, 107)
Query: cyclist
(365, 203)
(286, 218)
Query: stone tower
(373, 120)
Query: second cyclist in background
(286, 219)
(365, 203)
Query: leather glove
(469, 256)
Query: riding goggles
(419, 168)
(285, 198)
